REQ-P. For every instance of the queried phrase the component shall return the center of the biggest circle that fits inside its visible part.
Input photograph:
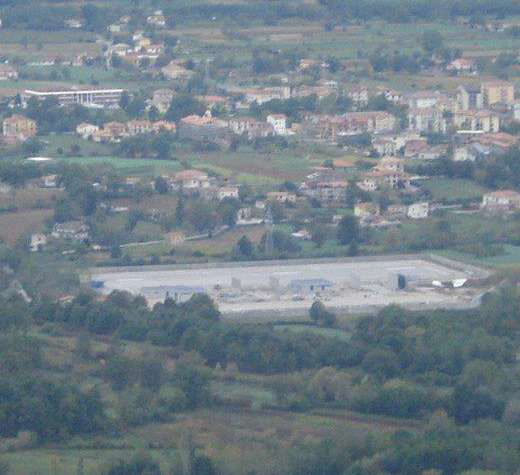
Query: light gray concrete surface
(358, 284)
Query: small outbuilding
(179, 293)
(310, 285)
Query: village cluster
(385, 129)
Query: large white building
(88, 97)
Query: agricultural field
(449, 190)
(13, 226)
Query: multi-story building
(108, 98)
(327, 191)
(279, 123)
(389, 172)
(162, 98)
(250, 126)
(8, 72)
(18, 127)
(469, 97)
(139, 127)
(353, 123)
(501, 201)
(497, 92)
(428, 119)
(477, 121)
(205, 128)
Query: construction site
(289, 287)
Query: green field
(327, 332)
(510, 258)
(447, 190)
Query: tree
(201, 216)
(348, 230)
(200, 306)
(161, 185)
(194, 381)
(116, 252)
(318, 234)
(244, 248)
(161, 144)
(179, 209)
(183, 105)
(431, 41)
(228, 209)
(381, 363)
(320, 315)
(141, 464)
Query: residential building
(414, 148)
(352, 123)
(279, 123)
(210, 101)
(85, 130)
(115, 28)
(423, 99)
(164, 125)
(396, 211)
(119, 49)
(176, 71)
(157, 19)
(464, 154)
(428, 119)
(71, 230)
(228, 192)
(366, 210)
(117, 130)
(384, 146)
(497, 92)
(307, 63)
(469, 97)
(334, 191)
(205, 128)
(266, 94)
(501, 201)
(477, 121)
(281, 196)
(175, 238)
(49, 181)
(358, 95)
(37, 242)
(418, 210)
(250, 126)
(391, 95)
(388, 173)
(162, 98)
(8, 72)
(139, 127)
(18, 127)
(88, 97)
(104, 136)
(5, 188)
(191, 180)
(73, 23)
(320, 92)
(327, 82)
(462, 66)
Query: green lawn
(153, 166)
(321, 331)
(443, 189)
(510, 257)
(258, 396)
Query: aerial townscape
(260, 237)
